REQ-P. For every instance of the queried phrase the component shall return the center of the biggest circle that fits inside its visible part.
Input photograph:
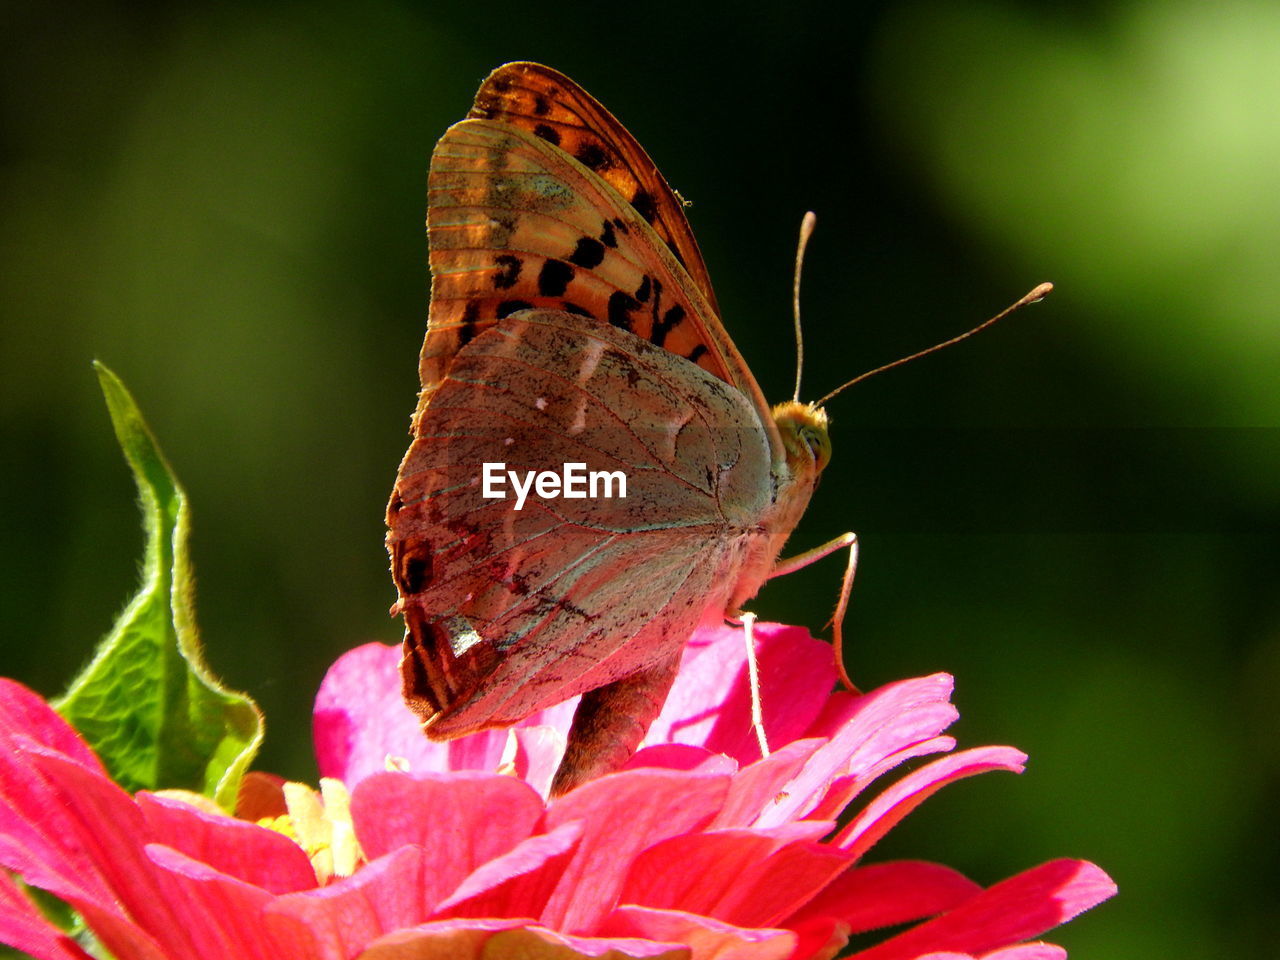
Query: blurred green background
(1078, 513)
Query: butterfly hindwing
(485, 588)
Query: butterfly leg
(802, 560)
(753, 679)
(610, 722)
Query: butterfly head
(803, 427)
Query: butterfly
(572, 322)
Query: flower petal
(844, 789)
(835, 713)
(539, 943)
(33, 828)
(223, 912)
(261, 797)
(758, 785)
(883, 723)
(24, 927)
(465, 819)
(1013, 910)
(884, 894)
(1028, 951)
(487, 749)
(539, 750)
(38, 833)
(819, 938)
(509, 940)
(708, 939)
(750, 878)
(92, 835)
(622, 813)
(1024, 951)
(710, 703)
(122, 938)
(778, 886)
(518, 883)
(361, 720)
(340, 920)
(24, 712)
(442, 940)
(246, 851)
(686, 872)
(886, 810)
(681, 756)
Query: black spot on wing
(621, 306)
(416, 569)
(508, 272)
(467, 331)
(547, 133)
(670, 320)
(554, 278)
(696, 353)
(645, 205)
(607, 236)
(643, 291)
(588, 253)
(591, 156)
(541, 106)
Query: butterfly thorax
(805, 450)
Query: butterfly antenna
(806, 231)
(1039, 293)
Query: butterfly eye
(815, 437)
(804, 434)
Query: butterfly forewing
(549, 105)
(515, 223)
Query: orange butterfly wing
(514, 221)
(549, 105)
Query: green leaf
(147, 702)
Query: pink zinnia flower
(699, 849)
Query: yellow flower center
(320, 823)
